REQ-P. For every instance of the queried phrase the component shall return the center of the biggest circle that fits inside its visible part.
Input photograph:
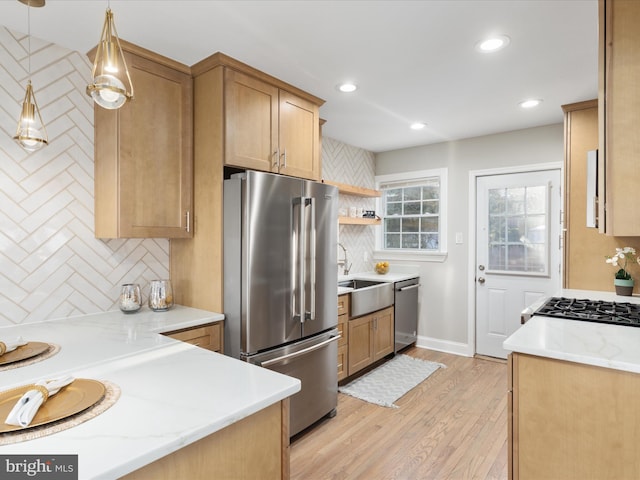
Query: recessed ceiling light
(493, 44)
(347, 87)
(418, 126)
(534, 102)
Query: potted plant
(623, 280)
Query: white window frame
(418, 256)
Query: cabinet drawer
(342, 362)
(343, 328)
(206, 336)
(343, 304)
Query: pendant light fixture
(110, 72)
(31, 133)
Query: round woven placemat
(111, 396)
(53, 349)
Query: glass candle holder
(130, 298)
(160, 295)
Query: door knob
(481, 280)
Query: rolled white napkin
(6, 347)
(26, 408)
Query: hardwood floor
(451, 426)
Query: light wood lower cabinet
(572, 421)
(343, 343)
(371, 337)
(255, 447)
(208, 336)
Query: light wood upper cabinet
(236, 123)
(143, 153)
(299, 137)
(251, 122)
(269, 128)
(619, 117)
(582, 269)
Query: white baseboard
(446, 346)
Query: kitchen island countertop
(598, 344)
(172, 393)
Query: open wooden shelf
(354, 190)
(358, 221)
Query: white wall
(443, 303)
(51, 265)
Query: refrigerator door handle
(302, 253)
(311, 314)
(304, 351)
(298, 275)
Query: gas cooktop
(615, 313)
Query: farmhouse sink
(368, 296)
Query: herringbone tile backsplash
(348, 164)
(51, 265)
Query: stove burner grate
(614, 313)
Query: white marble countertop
(598, 344)
(387, 277)
(172, 393)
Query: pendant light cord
(29, 35)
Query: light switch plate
(458, 238)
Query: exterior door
(517, 251)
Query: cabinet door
(343, 345)
(206, 336)
(383, 333)
(143, 156)
(620, 117)
(342, 362)
(343, 329)
(251, 122)
(573, 421)
(299, 137)
(360, 343)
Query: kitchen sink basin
(368, 296)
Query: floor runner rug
(390, 381)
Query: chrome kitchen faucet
(345, 263)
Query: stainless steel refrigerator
(280, 284)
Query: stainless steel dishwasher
(406, 312)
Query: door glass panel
(518, 240)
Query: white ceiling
(413, 60)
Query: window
(413, 212)
(518, 224)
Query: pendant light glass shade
(31, 134)
(110, 73)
